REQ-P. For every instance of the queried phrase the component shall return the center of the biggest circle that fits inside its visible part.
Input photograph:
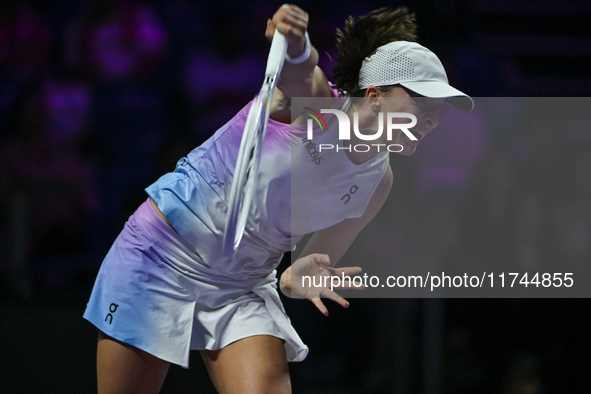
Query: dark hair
(364, 36)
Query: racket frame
(249, 154)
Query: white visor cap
(414, 67)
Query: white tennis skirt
(154, 292)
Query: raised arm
(302, 79)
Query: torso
(192, 200)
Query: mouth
(418, 133)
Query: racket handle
(276, 54)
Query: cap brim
(436, 89)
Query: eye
(419, 101)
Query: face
(425, 109)
(375, 105)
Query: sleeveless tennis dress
(168, 292)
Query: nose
(432, 119)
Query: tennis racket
(249, 155)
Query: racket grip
(276, 54)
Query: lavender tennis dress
(168, 291)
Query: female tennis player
(165, 286)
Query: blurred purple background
(99, 98)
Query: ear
(373, 96)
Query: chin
(408, 150)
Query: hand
(292, 21)
(312, 277)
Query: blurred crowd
(99, 98)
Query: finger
(341, 278)
(293, 31)
(294, 20)
(342, 270)
(347, 285)
(320, 305)
(270, 30)
(281, 14)
(347, 271)
(293, 10)
(322, 260)
(335, 297)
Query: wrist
(304, 55)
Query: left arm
(327, 246)
(335, 240)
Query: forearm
(335, 240)
(297, 80)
